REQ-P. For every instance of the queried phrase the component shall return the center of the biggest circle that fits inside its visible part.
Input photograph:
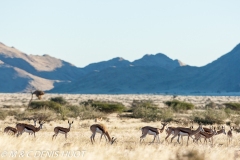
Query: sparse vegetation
(108, 107)
(233, 106)
(179, 105)
(150, 112)
(126, 130)
(210, 116)
(59, 100)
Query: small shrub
(59, 100)
(51, 105)
(210, 116)
(108, 107)
(233, 106)
(150, 112)
(45, 115)
(46, 105)
(179, 106)
(74, 111)
(88, 112)
(23, 115)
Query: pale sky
(87, 31)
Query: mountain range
(20, 72)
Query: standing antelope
(199, 136)
(21, 128)
(206, 135)
(170, 130)
(62, 130)
(229, 134)
(152, 131)
(102, 129)
(180, 131)
(10, 130)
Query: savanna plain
(124, 124)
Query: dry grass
(127, 131)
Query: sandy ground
(126, 99)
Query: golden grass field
(127, 131)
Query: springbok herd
(197, 134)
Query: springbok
(152, 131)
(10, 130)
(102, 129)
(21, 128)
(206, 135)
(199, 136)
(180, 131)
(230, 135)
(170, 130)
(62, 130)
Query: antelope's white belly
(27, 130)
(151, 132)
(183, 134)
(99, 130)
(61, 132)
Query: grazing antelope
(229, 134)
(10, 130)
(21, 128)
(62, 130)
(102, 129)
(98, 119)
(152, 131)
(180, 131)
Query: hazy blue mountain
(222, 75)
(158, 60)
(20, 72)
(43, 66)
(158, 73)
(112, 63)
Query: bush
(46, 105)
(233, 106)
(51, 105)
(108, 107)
(210, 116)
(179, 106)
(150, 112)
(59, 100)
(88, 112)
